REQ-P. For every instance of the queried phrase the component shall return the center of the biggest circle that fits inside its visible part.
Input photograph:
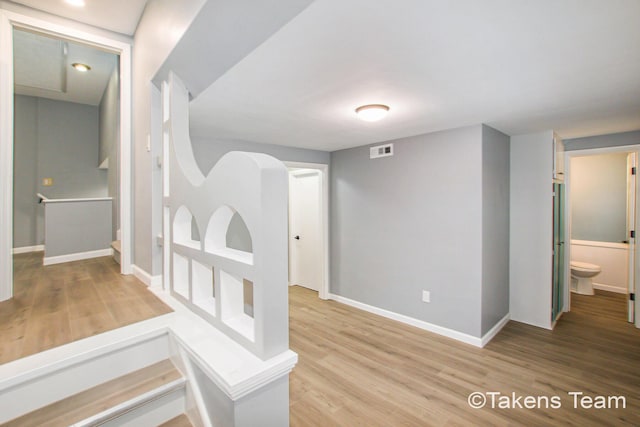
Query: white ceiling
(121, 16)
(41, 69)
(517, 65)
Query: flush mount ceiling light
(372, 112)
(76, 3)
(83, 68)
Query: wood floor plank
(356, 368)
(57, 304)
(100, 398)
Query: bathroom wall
(58, 140)
(599, 197)
(613, 259)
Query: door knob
(297, 237)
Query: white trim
(77, 256)
(9, 20)
(95, 199)
(594, 244)
(494, 331)
(28, 249)
(323, 293)
(146, 278)
(6, 157)
(440, 330)
(610, 288)
(567, 253)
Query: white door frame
(324, 220)
(567, 218)
(8, 21)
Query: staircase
(151, 396)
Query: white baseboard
(77, 256)
(146, 278)
(494, 331)
(440, 330)
(28, 249)
(610, 288)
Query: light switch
(47, 182)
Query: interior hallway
(356, 368)
(61, 303)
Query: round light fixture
(372, 112)
(76, 3)
(83, 68)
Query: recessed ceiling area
(519, 66)
(120, 16)
(43, 68)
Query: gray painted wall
(110, 142)
(411, 222)
(531, 228)
(27, 231)
(66, 149)
(208, 152)
(601, 141)
(599, 197)
(152, 46)
(76, 227)
(495, 227)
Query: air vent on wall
(381, 151)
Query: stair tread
(117, 245)
(179, 421)
(100, 398)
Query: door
(631, 224)
(305, 257)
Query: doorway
(601, 197)
(308, 227)
(10, 21)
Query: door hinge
(632, 297)
(633, 170)
(632, 234)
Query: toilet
(581, 275)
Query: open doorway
(15, 27)
(601, 253)
(308, 227)
(66, 144)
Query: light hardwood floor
(358, 369)
(57, 304)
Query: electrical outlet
(426, 296)
(47, 182)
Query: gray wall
(411, 222)
(531, 228)
(76, 227)
(27, 230)
(66, 149)
(601, 141)
(110, 142)
(152, 46)
(208, 152)
(495, 227)
(599, 197)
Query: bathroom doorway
(601, 256)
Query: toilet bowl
(581, 275)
